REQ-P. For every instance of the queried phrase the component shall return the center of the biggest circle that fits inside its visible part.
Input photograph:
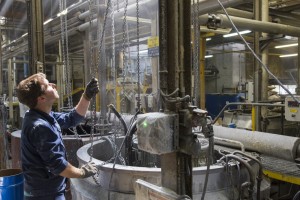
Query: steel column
(36, 49)
(175, 72)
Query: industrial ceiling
(14, 22)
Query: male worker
(43, 153)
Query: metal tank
(118, 182)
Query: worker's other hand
(88, 169)
(91, 89)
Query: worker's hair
(30, 89)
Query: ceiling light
(288, 55)
(64, 12)
(47, 21)
(235, 34)
(141, 20)
(287, 45)
(208, 39)
(25, 34)
(208, 56)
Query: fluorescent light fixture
(143, 51)
(208, 56)
(64, 12)
(25, 34)
(141, 20)
(286, 45)
(288, 55)
(208, 39)
(235, 34)
(47, 21)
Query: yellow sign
(153, 42)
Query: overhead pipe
(213, 5)
(267, 27)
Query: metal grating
(281, 166)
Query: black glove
(91, 89)
(89, 169)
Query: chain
(103, 32)
(138, 53)
(92, 73)
(65, 52)
(114, 49)
(123, 52)
(94, 70)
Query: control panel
(292, 109)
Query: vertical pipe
(257, 73)
(60, 77)
(10, 92)
(163, 46)
(1, 66)
(186, 50)
(35, 34)
(154, 60)
(201, 71)
(265, 54)
(298, 81)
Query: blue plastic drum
(11, 184)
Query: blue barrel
(11, 184)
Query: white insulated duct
(254, 25)
(279, 146)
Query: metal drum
(11, 184)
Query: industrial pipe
(213, 5)
(262, 142)
(260, 172)
(266, 27)
(248, 167)
(244, 104)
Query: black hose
(128, 144)
(260, 172)
(112, 107)
(297, 196)
(183, 197)
(209, 155)
(250, 171)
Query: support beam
(36, 48)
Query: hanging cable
(254, 54)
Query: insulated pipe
(265, 143)
(265, 58)
(213, 5)
(267, 27)
(298, 81)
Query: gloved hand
(89, 169)
(91, 89)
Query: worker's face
(50, 94)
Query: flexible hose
(112, 107)
(250, 171)
(260, 172)
(297, 196)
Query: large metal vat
(118, 183)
